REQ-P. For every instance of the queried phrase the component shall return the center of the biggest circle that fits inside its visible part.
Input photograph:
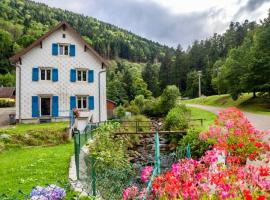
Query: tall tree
(165, 73)
(150, 75)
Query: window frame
(64, 45)
(80, 98)
(81, 72)
(46, 73)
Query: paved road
(4, 115)
(261, 122)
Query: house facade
(57, 73)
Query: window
(64, 35)
(81, 75)
(64, 49)
(46, 74)
(82, 102)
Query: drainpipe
(20, 86)
(99, 107)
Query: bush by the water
(177, 118)
(155, 106)
(113, 171)
(197, 146)
(120, 111)
(7, 103)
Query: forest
(233, 62)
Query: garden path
(261, 122)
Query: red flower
(261, 197)
(264, 171)
(247, 195)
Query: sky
(169, 22)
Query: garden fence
(111, 182)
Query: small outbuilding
(111, 105)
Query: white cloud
(169, 21)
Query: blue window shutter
(90, 76)
(54, 49)
(54, 74)
(72, 50)
(35, 74)
(55, 112)
(35, 112)
(73, 75)
(91, 104)
(72, 102)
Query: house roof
(7, 92)
(17, 56)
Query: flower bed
(226, 172)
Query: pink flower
(130, 193)
(229, 124)
(146, 173)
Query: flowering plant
(76, 112)
(235, 135)
(51, 192)
(146, 173)
(213, 176)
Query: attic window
(64, 35)
(63, 49)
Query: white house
(59, 72)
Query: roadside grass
(21, 135)
(245, 102)
(197, 113)
(25, 168)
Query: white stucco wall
(63, 88)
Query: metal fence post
(93, 175)
(77, 152)
(157, 153)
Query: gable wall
(42, 57)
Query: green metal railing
(80, 139)
(156, 170)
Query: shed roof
(7, 92)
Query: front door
(45, 106)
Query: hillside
(246, 102)
(23, 21)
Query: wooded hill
(23, 21)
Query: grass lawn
(34, 135)
(245, 102)
(25, 128)
(208, 117)
(25, 168)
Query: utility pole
(200, 74)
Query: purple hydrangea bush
(51, 192)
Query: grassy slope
(24, 128)
(26, 168)
(208, 117)
(245, 102)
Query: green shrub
(197, 146)
(134, 109)
(120, 112)
(168, 99)
(177, 118)
(113, 171)
(7, 103)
